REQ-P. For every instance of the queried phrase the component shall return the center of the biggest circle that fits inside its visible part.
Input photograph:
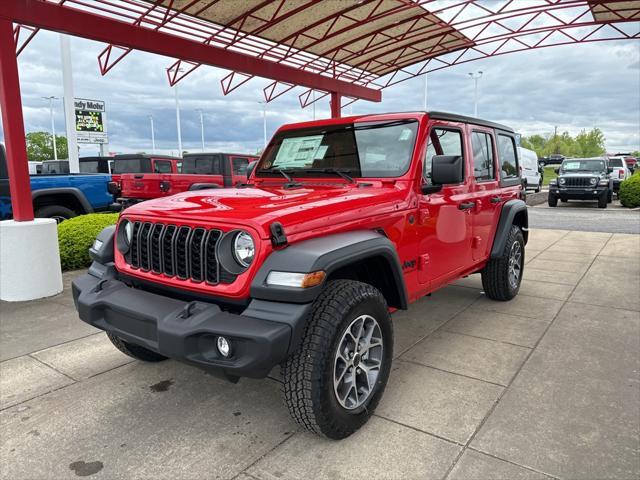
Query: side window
(240, 165)
(483, 166)
(507, 156)
(162, 166)
(442, 141)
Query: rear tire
(135, 351)
(539, 187)
(334, 381)
(552, 200)
(57, 212)
(502, 276)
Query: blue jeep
(58, 196)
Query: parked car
(555, 159)
(58, 195)
(619, 171)
(197, 171)
(582, 179)
(140, 163)
(35, 168)
(531, 171)
(50, 167)
(302, 266)
(631, 162)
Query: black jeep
(582, 179)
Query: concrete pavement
(545, 386)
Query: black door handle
(466, 206)
(496, 199)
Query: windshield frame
(603, 169)
(262, 173)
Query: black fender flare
(328, 253)
(86, 205)
(508, 214)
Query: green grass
(550, 174)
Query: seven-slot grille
(183, 252)
(577, 182)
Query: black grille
(183, 252)
(578, 182)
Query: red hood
(315, 206)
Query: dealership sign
(90, 121)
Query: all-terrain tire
(495, 275)
(135, 351)
(609, 196)
(602, 201)
(58, 212)
(539, 187)
(308, 374)
(552, 200)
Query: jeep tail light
(294, 279)
(621, 173)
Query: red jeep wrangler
(343, 222)
(140, 163)
(198, 171)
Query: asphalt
(586, 217)
(544, 386)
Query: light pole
(153, 135)
(53, 125)
(175, 87)
(201, 127)
(264, 122)
(426, 84)
(475, 76)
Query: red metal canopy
(352, 48)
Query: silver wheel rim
(357, 363)
(515, 264)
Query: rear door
(486, 190)
(239, 166)
(444, 217)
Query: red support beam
(71, 21)
(13, 126)
(336, 111)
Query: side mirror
(557, 170)
(609, 169)
(447, 169)
(428, 189)
(251, 167)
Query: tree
(589, 144)
(40, 146)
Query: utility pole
(201, 127)
(426, 84)
(69, 104)
(264, 121)
(475, 76)
(53, 126)
(153, 135)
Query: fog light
(224, 347)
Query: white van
(530, 169)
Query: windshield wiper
(341, 173)
(291, 183)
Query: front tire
(135, 351)
(334, 381)
(57, 212)
(552, 200)
(602, 201)
(502, 276)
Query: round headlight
(562, 181)
(594, 181)
(125, 235)
(243, 249)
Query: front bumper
(261, 337)
(578, 193)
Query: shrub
(629, 193)
(76, 235)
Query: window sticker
(572, 166)
(405, 134)
(299, 151)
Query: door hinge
(423, 261)
(476, 241)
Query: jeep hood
(311, 207)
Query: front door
(444, 219)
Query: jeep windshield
(361, 149)
(583, 165)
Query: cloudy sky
(572, 87)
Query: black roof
(199, 154)
(453, 117)
(130, 156)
